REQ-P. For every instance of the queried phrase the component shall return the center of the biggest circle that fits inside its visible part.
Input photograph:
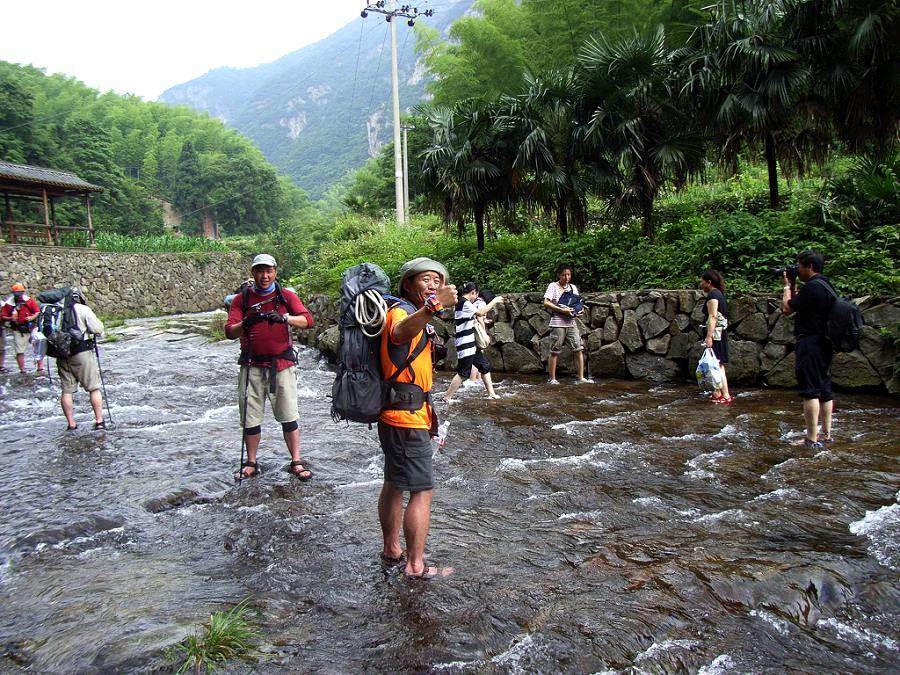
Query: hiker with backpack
(262, 316)
(3, 368)
(407, 421)
(19, 313)
(813, 351)
(80, 363)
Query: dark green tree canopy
(141, 154)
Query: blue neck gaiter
(263, 291)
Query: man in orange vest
(407, 420)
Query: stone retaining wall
(127, 284)
(655, 335)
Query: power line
(402, 48)
(377, 68)
(355, 73)
(36, 120)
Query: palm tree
(639, 125)
(748, 64)
(855, 56)
(463, 164)
(548, 123)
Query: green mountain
(322, 110)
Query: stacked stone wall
(656, 335)
(127, 284)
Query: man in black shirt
(813, 350)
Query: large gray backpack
(357, 390)
(360, 392)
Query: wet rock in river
(609, 361)
(646, 366)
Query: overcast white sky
(144, 48)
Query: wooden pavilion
(45, 186)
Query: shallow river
(614, 527)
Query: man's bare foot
(429, 572)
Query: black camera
(790, 270)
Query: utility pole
(406, 127)
(410, 13)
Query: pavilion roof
(49, 177)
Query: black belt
(268, 360)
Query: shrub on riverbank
(702, 232)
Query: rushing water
(619, 526)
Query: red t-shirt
(18, 313)
(268, 339)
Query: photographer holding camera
(813, 351)
(262, 316)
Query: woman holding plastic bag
(716, 312)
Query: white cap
(264, 259)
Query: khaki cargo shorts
(568, 335)
(79, 369)
(21, 340)
(283, 400)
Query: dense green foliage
(488, 53)
(141, 154)
(548, 106)
(160, 243)
(726, 226)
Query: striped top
(553, 293)
(465, 329)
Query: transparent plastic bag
(437, 442)
(38, 344)
(709, 372)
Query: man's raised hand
(446, 295)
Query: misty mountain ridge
(324, 109)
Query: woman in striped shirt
(467, 352)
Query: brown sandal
(240, 475)
(301, 473)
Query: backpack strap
(247, 356)
(400, 360)
(407, 363)
(828, 285)
(405, 395)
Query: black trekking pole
(102, 381)
(240, 473)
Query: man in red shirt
(20, 312)
(262, 316)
